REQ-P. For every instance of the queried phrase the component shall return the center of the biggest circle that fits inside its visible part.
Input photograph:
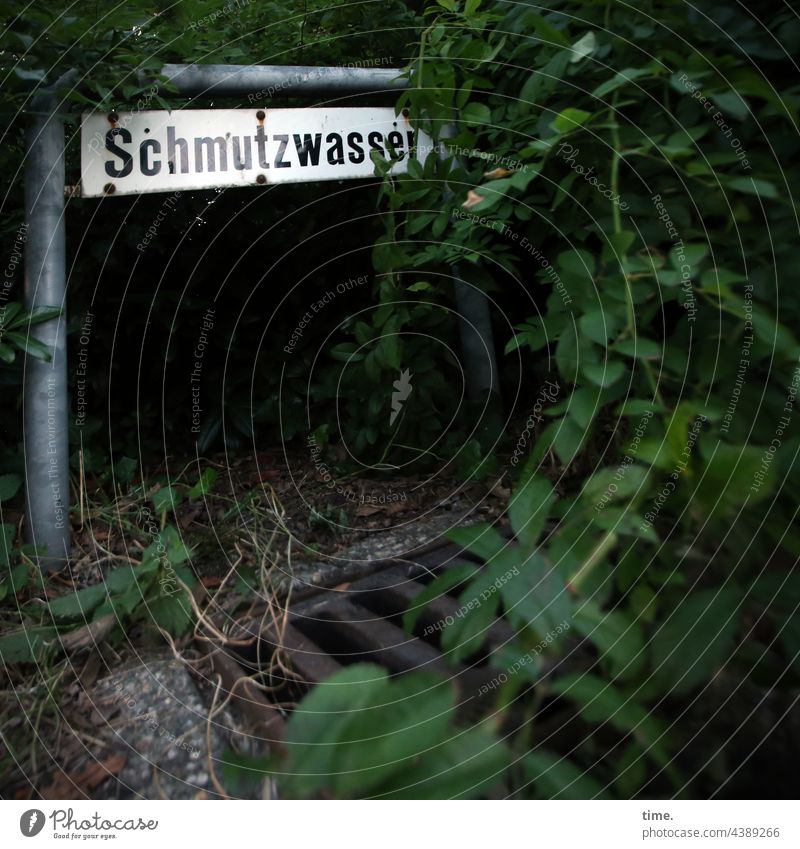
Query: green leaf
(584, 404)
(779, 595)
(388, 736)
(630, 771)
(642, 349)
(578, 262)
(7, 532)
(728, 474)
(28, 646)
(318, 725)
(30, 344)
(30, 76)
(529, 509)
(9, 486)
(601, 702)
(172, 612)
(570, 119)
(620, 79)
(465, 766)
(545, 30)
(695, 640)
(567, 354)
(563, 190)
(474, 114)
(20, 577)
(732, 104)
(125, 468)
(536, 597)
(204, 485)
(615, 483)
(669, 278)
(121, 604)
(462, 637)
(474, 463)
(774, 334)
(618, 639)
(437, 588)
(166, 498)
(11, 310)
(345, 352)
(753, 186)
(177, 551)
(359, 735)
(388, 351)
(415, 169)
(382, 165)
(34, 316)
(556, 777)
(692, 255)
(584, 47)
(482, 540)
(78, 604)
(604, 374)
(600, 325)
(568, 440)
(618, 244)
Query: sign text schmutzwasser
(134, 153)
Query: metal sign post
(133, 155)
(45, 443)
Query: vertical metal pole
(45, 400)
(477, 339)
(475, 325)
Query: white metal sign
(136, 153)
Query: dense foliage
(619, 181)
(628, 176)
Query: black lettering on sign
(306, 148)
(208, 143)
(356, 154)
(395, 145)
(182, 145)
(279, 163)
(336, 150)
(144, 157)
(412, 151)
(261, 144)
(375, 142)
(127, 160)
(238, 164)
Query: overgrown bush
(631, 175)
(620, 181)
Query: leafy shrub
(361, 735)
(600, 167)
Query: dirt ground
(69, 729)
